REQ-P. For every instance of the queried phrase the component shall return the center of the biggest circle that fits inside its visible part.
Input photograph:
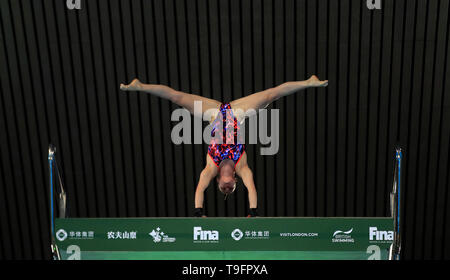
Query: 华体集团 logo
(237, 234)
(61, 235)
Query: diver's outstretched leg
(182, 99)
(262, 99)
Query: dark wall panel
(60, 72)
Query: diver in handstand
(225, 159)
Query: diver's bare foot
(313, 81)
(133, 86)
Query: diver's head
(226, 179)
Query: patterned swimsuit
(219, 152)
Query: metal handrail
(394, 252)
(53, 168)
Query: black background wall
(60, 72)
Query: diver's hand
(198, 212)
(253, 212)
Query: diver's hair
(226, 195)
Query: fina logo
(61, 235)
(379, 235)
(237, 234)
(205, 235)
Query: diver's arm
(246, 174)
(208, 173)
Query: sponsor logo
(122, 235)
(380, 236)
(340, 236)
(237, 234)
(61, 235)
(205, 236)
(159, 236)
(299, 234)
(252, 234)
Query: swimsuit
(221, 151)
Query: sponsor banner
(224, 234)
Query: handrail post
(51, 157)
(51, 163)
(395, 204)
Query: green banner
(224, 238)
